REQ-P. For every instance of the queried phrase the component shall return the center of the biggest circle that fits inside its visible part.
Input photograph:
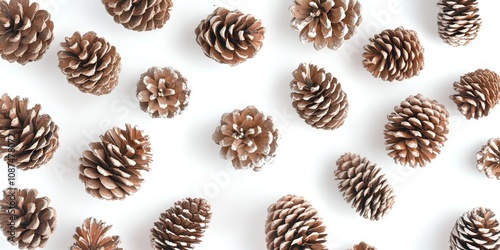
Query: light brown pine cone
(488, 158)
(458, 21)
(139, 15)
(476, 229)
(92, 236)
(363, 246)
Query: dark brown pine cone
(25, 31)
(90, 63)
(326, 23)
(92, 236)
(247, 137)
(488, 158)
(181, 226)
(458, 21)
(363, 246)
(112, 168)
(139, 15)
(230, 37)
(394, 55)
(476, 229)
(162, 92)
(416, 131)
(318, 97)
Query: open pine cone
(363, 246)
(326, 23)
(111, 169)
(476, 229)
(318, 97)
(181, 226)
(25, 31)
(416, 131)
(90, 63)
(458, 21)
(230, 37)
(92, 236)
(139, 15)
(488, 158)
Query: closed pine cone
(139, 15)
(362, 185)
(182, 226)
(230, 37)
(90, 63)
(92, 236)
(326, 23)
(458, 21)
(488, 158)
(25, 31)
(112, 168)
(416, 131)
(318, 98)
(476, 229)
(293, 223)
(394, 55)
(363, 246)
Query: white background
(186, 160)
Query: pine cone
(326, 23)
(163, 92)
(28, 139)
(416, 131)
(458, 21)
(363, 246)
(478, 92)
(139, 15)
(362, 184)
(293, 223)
(488, 158)
(91, 236)
(25, 219)
(25, 31)
(318, 98)
(394, 55)
(247, 137)
(476, 229)
(230, 37)
(181, 226)
(90, 63)
(111, 170)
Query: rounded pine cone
(90, 63)
(111, 169)
(181, 226)
(458, 21)
(293, 223)
(92, 236)
(362, 185)
(363, 246)
(326, 23)
(394, 55)
(488, 158)
(247, 137)
(416, 131)
(476, 229)
(230, 37)
(25, 31)
(162, 92)
(318, 98)
(139, 15)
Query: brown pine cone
(488, 158)
(90, 63)
(318, 98)
(247, 137)
(458, 21)
(181, 226)
(139, 15)
(293, 223)
(162, 92)
(362, 185)
(230, 37)
(326, 23)
(25, 31)
(111, 170)
(476, 229)
(416, 131)
(92, 236)
(25, 219)
(394, 55)
(478, 92)
(363, 246)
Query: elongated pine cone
(458, 21)
(28, 139)
(25, 31)
(318, 98)
(139, 15)
(112, 168)
(293, 223)
(362, 185)
(92, 236)
(230, 37)
(476, 229)
(247, 137)
(488, 158)
(416, 131)
(394, 55)
(181, 226)
(25, 219)
(478, 92)
(90, 63)
(363, 246)
(162, 92)
(326, 23)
